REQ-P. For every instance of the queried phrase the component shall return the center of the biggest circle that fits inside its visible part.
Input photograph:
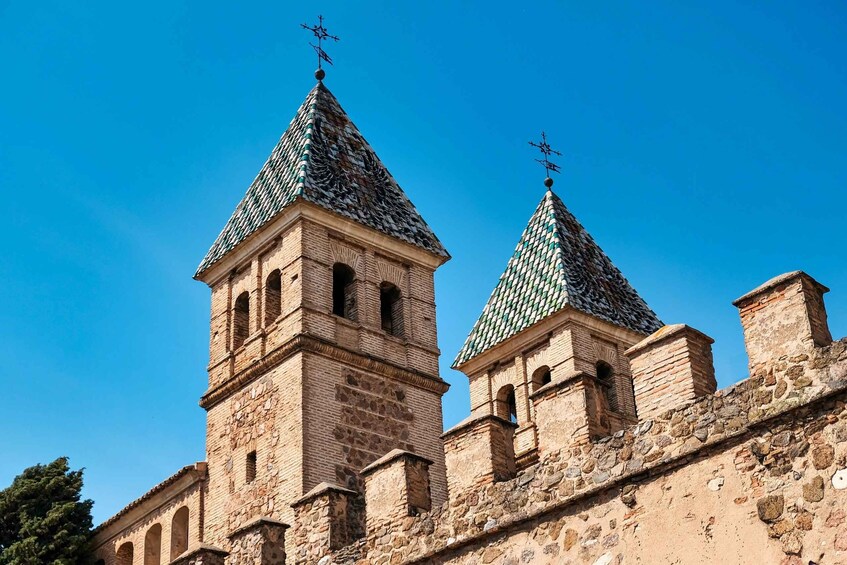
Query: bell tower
(323, 349)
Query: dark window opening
(391, 309)
(506, 406)
(273, 297)
(344, 291)
(250, 473)
(540, 377)
(606, 376)
(241, 320)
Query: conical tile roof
(323, 159)
(556, 264)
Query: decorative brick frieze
(316, 345)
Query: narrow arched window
(273, 297)
(153, 545)
(541, 376)
(344, 291)
(606, 376)
(505, 405)
(179, 533)
(124, 556)
(241, 320)
(391, 309)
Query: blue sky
(704, 148)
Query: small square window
(250, 474)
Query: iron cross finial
(321, 33)
(546, 150)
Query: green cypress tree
(42, 519)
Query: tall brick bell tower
(323, 351)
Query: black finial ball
(320, 74)
(548, 182)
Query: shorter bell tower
(561, 315)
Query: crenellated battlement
(802, 381)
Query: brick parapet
(396, 486)
(477, 452)
(671, 367)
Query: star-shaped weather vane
(546, 150)
(321, 33)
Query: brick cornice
(313, 344)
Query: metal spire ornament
(546, 150)
(321, 33)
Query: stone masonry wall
(262, 417)
(755, 473)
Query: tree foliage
(42, 519)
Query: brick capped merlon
(396, 486)
(782, 318)
(203, 554)
(260, 541)
(478, 451)
(570, 411)
(671, 368)
(322, 521)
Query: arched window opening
(344, 291)
(540, 377)
(241, 320)
(273, 297)
(391, 309)
(505, 405)
(124, 555)
(153, 545)
(250, 474)
(606, 376)
(179, 533)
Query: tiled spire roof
(323, 159)
(556, 264)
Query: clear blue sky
(704, 148)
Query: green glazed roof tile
(556, 264)
(323, 159)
